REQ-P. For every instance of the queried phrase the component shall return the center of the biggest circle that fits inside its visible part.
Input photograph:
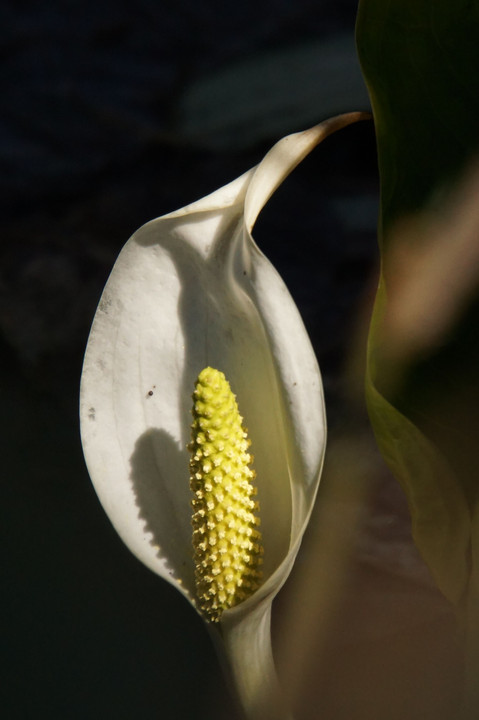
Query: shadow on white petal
(156, 465)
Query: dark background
(113, 113)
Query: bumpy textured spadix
(226, 541)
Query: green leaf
(420, 60)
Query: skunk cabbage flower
(189, 291)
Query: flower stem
(244, 647)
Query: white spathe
(192, 289)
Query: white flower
(188, 290)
